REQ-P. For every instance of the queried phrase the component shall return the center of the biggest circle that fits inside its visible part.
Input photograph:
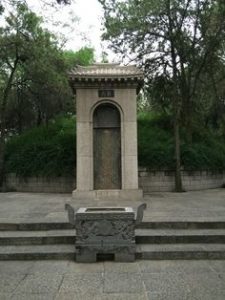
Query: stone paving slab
(141, 280)
(129, 283)
(15, 268)
(176, 266)
(39, 284)
(26, 296)
(217, 266)
(121, 267)
(9, 282)
(206, 285)
(5, 296)
(207, 205)
(163, 283)
(82, 284)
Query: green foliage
(180, 45)
(44, 150)
(50, 150)
(155, 141)
(33, 82)
(1, 9)
(206, 153)
(83, 57)
(156, 146)
(34, 86)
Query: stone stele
(106, 131)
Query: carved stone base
(134, 194)
(124, 257)
(88, 256)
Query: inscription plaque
(106, 93)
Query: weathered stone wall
(149, 181)
(163, 181)
(40, 184)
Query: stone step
(39, 226)
(143, 236)
(147, 252)
(170, 236)
(34, 226)
(180, 251)
(46, 237)
(36, 252)
(182, 225)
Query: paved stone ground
(142, 280)
(33, 207)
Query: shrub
(156, 146)
(155, 143)
(50, 150)
(45, 150)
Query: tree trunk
(2, 154)
(19, 111)
(2, 123)
(178, 181)
(176, 101)
(188, 113)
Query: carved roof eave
(81, 82)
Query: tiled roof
(106, 70)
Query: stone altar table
(105, 230)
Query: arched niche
(107, 147)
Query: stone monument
(105, 230)
(106, 131)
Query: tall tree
(175, 39)
(14, 43)
(32, 64)
(85, 56)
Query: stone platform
(171, 221)
(207, 205)
(175, 226)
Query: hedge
(50, 150)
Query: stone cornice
(106, 75)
